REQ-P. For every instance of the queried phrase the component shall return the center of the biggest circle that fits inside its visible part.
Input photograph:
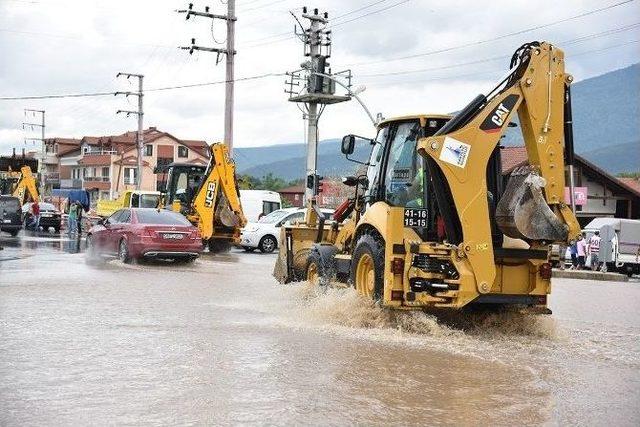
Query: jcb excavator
(22, 185)
(208, 196)
(430, 224)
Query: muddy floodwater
(219, 342)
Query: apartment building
(107, 165)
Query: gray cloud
(81, 45)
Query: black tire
(268, 244)
(56, 230)
(321, 265)
(369, 246)
(123, 252)
(248, 249)
(14, 233)
(217, 246)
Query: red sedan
(137, 233)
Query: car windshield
(47, 207)
(161, 217)
(274, 217)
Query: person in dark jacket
(79, 209)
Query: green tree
(634, 175)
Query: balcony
(96, 179)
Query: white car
(265, 234)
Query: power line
(370, 13)
(497, 70)
(503, 36)
(495, 58)
(95, 94)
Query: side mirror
(348, 144)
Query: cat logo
(499, 115)
(211, 193)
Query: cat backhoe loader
(22, 185)
(208, 196)
(430, 224)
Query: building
(598, 194)
(107, 165)
(293, 196)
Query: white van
(257, 203)
(619, 245)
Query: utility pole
(140, 114)
(315, 88)
(40, 125)
(230, 53)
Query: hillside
(606, 115)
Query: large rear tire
(367, 266)
(217, 246)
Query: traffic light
(319, 186)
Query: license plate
(6, 221)
(173, 236)
(416, 217)
(46, 215)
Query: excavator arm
(26, 186)
(216, 204)
(532, 207)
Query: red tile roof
(633, 183)
(512, 157)
(294, 189)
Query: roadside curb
(590, 275)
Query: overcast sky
(65, 46)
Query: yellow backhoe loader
(430, 224)
(22, 185)
(208, 196)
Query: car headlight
(250, 229)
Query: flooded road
(219, 342)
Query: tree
(634, 175)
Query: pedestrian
(574, 255)
(581, 246)
(72, 219)
(562, 255)
(35, 215)
(594, 250)
(79, 212)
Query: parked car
(50, 216)
(135, 233)
(10, 215)
(265, 234)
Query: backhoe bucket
(225, 215)
(523, 212)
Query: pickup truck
(128, 199)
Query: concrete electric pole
(40, 125)
(140, 114)
(316, 90)
(229, 52)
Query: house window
(183, 152)
(148, 150)
(105, 173)
(84, 173)
(130, 175)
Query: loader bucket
(523, 212)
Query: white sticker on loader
(455, 152)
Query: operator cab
(183, 182)
(399, 176)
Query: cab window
(404, 175)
